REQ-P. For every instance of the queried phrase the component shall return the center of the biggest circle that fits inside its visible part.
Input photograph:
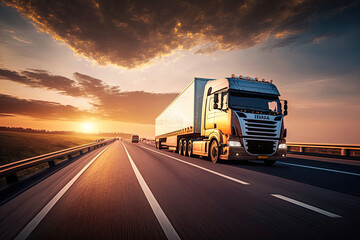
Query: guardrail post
(88, 149)
(69, 157)
(301, 149)
(51, 164)
(81, 152)
(344, 152)
(11, 178)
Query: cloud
(42, 79)
(108, 101)
(39, 109)
(132, 33)
(6, 115)
(21, 40)
(138, 106)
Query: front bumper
(239, 153)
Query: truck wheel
(269, 162)
(180, 146)
(189, 149)
(214, 152)
(157, 145)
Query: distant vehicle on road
(135, 138)
(233, 118)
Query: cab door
(209, 115)
(222, 114)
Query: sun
(88, 127)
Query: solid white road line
(202, 168)
(318, 168)
(159, 213)
(37, 219)
(304, 205)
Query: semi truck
(233, 118)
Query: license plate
(262, 157)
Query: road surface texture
(134, 191)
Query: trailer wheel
(214, 153)
(180, 146)
(189, 148)
(269, 162)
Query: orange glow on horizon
(88, 127)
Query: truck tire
(214, 153)
(157, 145)
(269, 162)
(180, 146)
(189, 148)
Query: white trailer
(231, 118)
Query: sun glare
(88, 127)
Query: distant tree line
(30, 130)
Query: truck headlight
(234, 144)
(282, 146)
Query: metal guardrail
(9, 170)
(342, 150)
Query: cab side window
(211, 103)
(224, 100)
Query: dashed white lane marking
(159, 213)
(40, 216)
(304, 205)
(202, 168)
(318, 168)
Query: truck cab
(242, 119)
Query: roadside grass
(15, 146)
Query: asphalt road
(134, 191)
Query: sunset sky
(105, 66)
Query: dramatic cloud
(108, 101)
(139, 106)
(131, 33)
(39, 109)
(42, 79)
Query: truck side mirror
(216, 98)
(285, 108)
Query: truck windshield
(256, 102)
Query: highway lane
(248, 211)
(17, 212)
(314, 171)
(107, 201)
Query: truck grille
(260, 128)
(260, 147)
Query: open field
(15, 146)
